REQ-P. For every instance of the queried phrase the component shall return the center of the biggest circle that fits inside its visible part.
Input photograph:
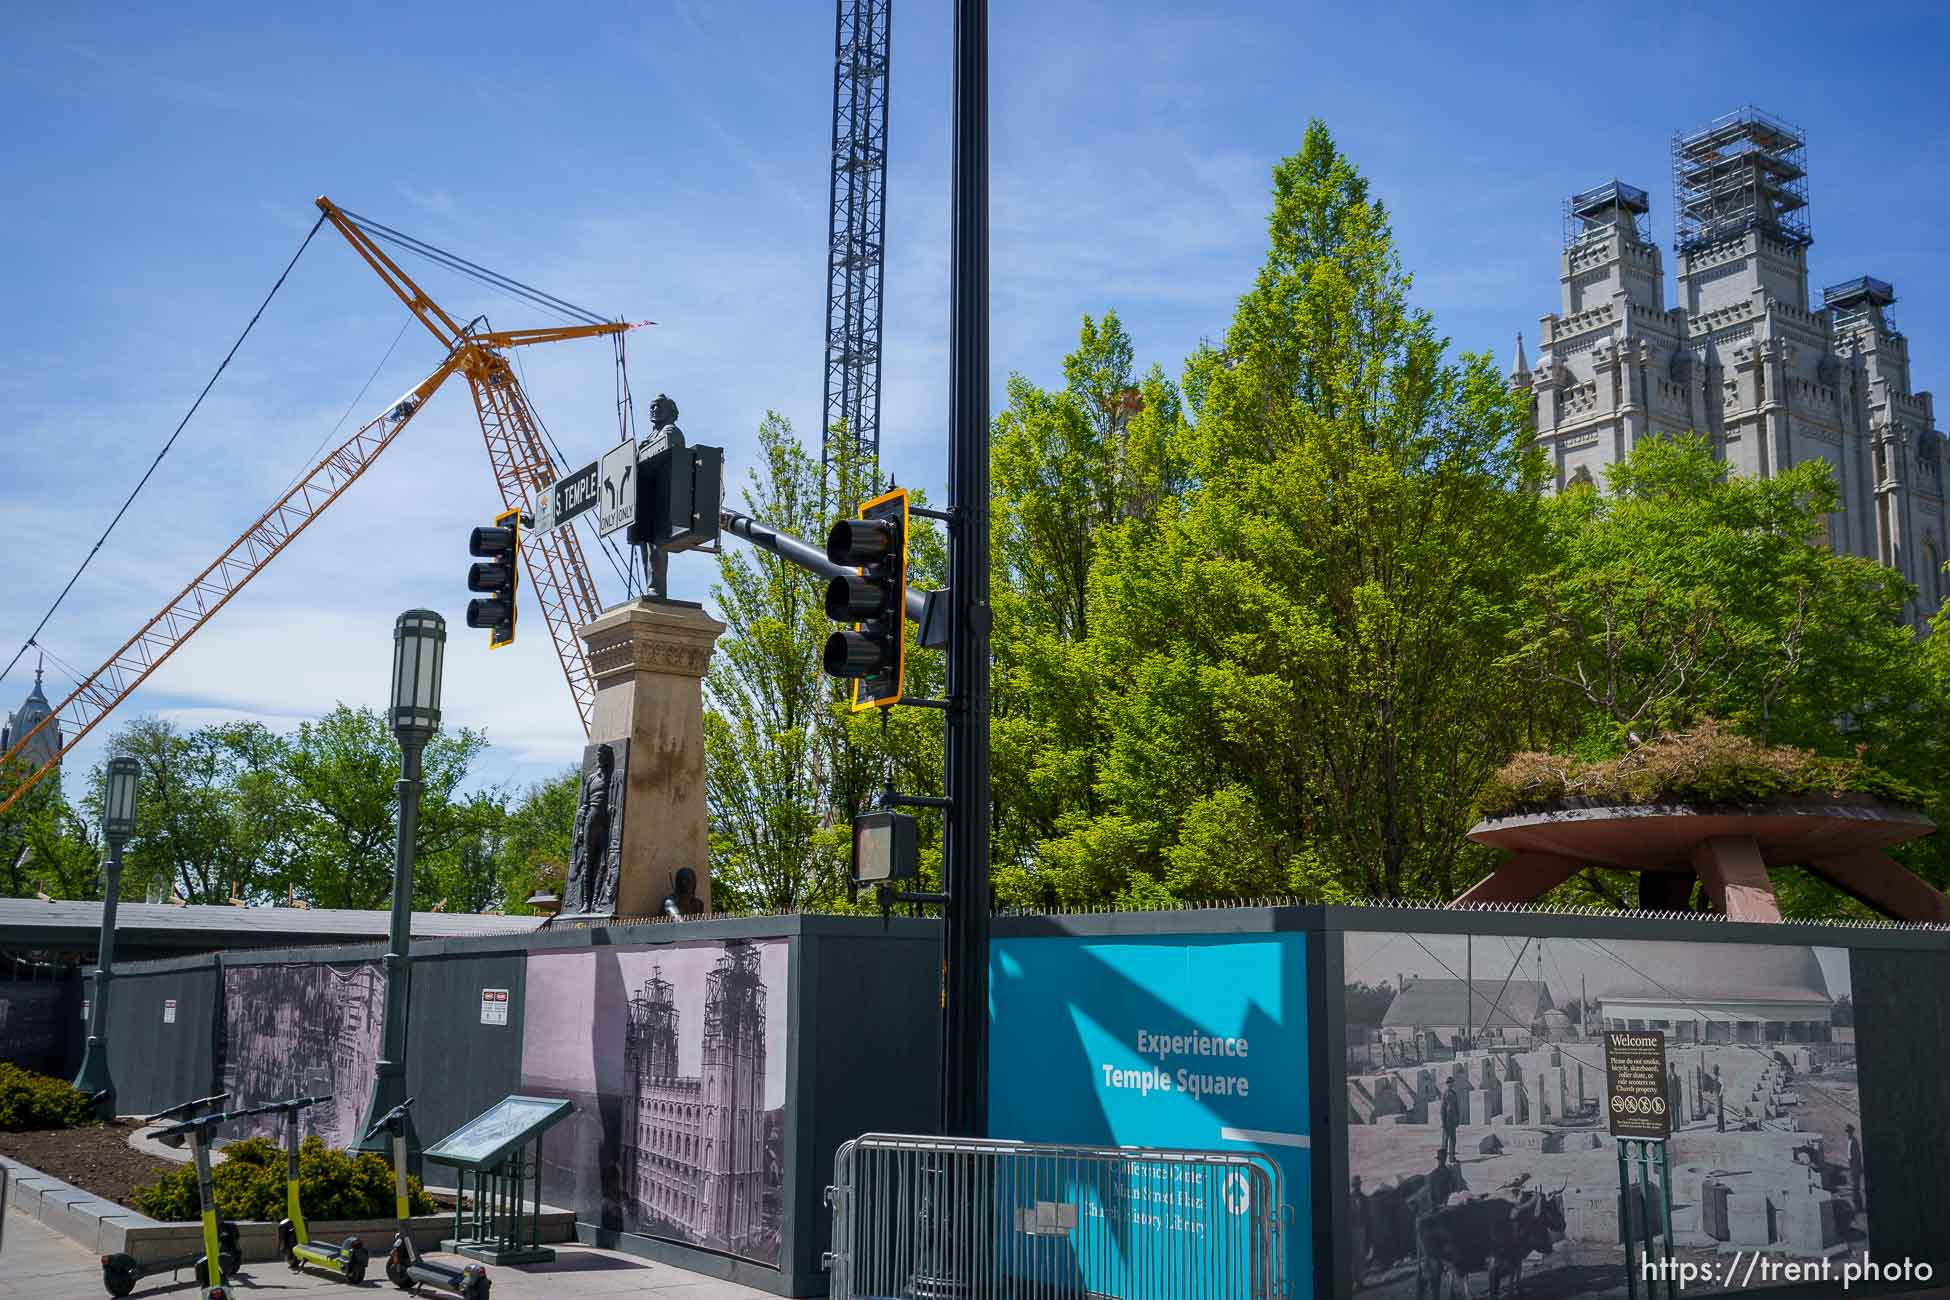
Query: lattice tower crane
(856, 240)
(557, 570)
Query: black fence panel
(162, 1033)
(1902, 1027)
(463, 1042)
(866, 1042)
(40, 1024)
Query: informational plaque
(1636, 1082)
(494, 1006)
(493, 1135)
(169, 1011)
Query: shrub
(30, 1100)
(249, 1184)
(1709, 765)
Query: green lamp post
(419, 654)
(118, 824)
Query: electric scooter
(121, 1272)
(198, 1130)
(405, 1267)
(347, 1260)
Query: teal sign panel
(1181, 1041)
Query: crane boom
(558, 573)
(98, 693)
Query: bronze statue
(591, 886)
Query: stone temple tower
(23, 720)
(1743, 358)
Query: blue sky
(668, 160)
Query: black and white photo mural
(293, 1031)
(675, 1058)
(1477, 1115)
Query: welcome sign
(1170, 1041)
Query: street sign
(1636, 1082)
(618, 509)
(571, 495)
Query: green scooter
(198, 1130)
(405, 1267)
(120, 1272)
(347, 1260)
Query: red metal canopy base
(1729, 850)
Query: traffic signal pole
(964, 991)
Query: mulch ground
(96, 1159)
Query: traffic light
(874, 601)
(498, 548)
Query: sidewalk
(38, 1263)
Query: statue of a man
(589, 854)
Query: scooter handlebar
(298, 1103)
(396, 1115)
(188, 1107)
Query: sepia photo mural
(292, 1031)
(1476, 1105)
(675, 1058)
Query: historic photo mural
(675, 1058)
(1478, 1136)
(306, 1030)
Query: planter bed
(106, 1228)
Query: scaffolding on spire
(1743, 171)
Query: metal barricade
(927, 1218)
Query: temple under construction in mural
(695, 1154)
(1744, 359)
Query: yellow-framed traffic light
(873, 653)
(498, 577)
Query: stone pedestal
(648, 658)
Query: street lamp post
(118, 824)
(419, 653)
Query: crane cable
(96, 548)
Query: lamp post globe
(118, 825)
(419, 659)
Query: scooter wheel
(396, 1271)
(229, 1260)
(476, 1289)
(355, 1260)
(120, 1273)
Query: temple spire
(1520, 368)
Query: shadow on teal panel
(1162, 1041)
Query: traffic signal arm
(807, 556)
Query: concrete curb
(105, 1228)
(85, 1217)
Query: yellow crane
(557, 571)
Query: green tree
(1066, 465)
(534, 840)
(40, 813)
(342, 771)
(1684, 592)
(209, 812)
(1297, 660)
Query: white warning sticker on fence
(169, 1011)
(494, 1006)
